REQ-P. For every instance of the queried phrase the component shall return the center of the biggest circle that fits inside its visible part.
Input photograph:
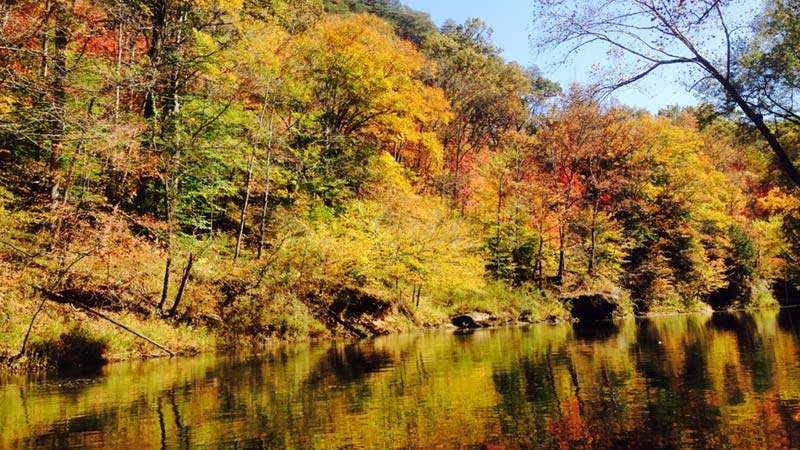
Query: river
(728, 380)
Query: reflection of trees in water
(350, 363)
(676, 382)
(756, 349)
(701, 381)
(179, 436)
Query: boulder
(473, 320)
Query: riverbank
(68, 335)
(91, 320)
(91, 317)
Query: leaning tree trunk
(182, 286)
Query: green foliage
(512, 254)
(744, 255)
(768, 67)
(408, 23)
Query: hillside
(225, 174)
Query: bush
(75, 348)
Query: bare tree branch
(655, 33)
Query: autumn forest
(224, 173)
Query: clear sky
(512, 22)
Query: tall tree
(360, 82)
(653, 34)
(488, 95)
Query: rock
(552, 319)
(473, 320)
(592, 306)
(525, 316)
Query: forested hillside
(229, 172)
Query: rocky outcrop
(593, 305)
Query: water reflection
(724, 381)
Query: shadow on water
(789, 320)
(598, 331)
(348, 364)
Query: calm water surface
(707, 381)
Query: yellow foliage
(395, 238)
(778, 201)
(6, 104)
(372, 82)
(227, 5)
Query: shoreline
(27, 366)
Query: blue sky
(512, 21)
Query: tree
(35, 34)
(676, 217)
(769, 66)
(701, 34)
(566, 139)
(511, 189)
(359, 87)
(607, 172)
(408, 23)
(488, 95)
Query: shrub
(75, 348)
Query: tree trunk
(784, 162)
(164, 286)
(158, 25)
(59, 102)
(185, 277)
(538, 266)
(265, 208)
(28, 333)
(593, 245)
(562, 264)
(243, 214)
